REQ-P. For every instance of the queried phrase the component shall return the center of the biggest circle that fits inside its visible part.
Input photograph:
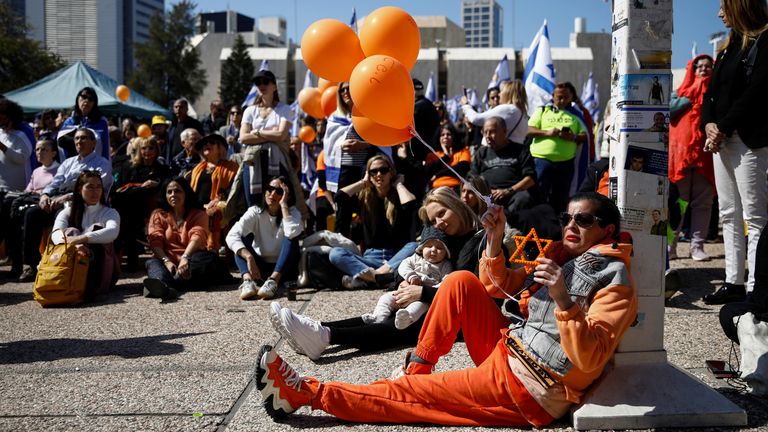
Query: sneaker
(412, 368)
(728, 293)
(698, 254)
(28, 275)
(353, 283)
(309, 336)
(282, 389)
(248, 289)
(277, 324)
(268, 290)
(403, 319)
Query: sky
(694, 20)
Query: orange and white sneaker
(283, 390)
(412, 368)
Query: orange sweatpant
(487, 395)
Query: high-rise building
(483, 23)
(102, 33)
(227, 21)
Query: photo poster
(644, 89)
(645, 160)
(644, 119)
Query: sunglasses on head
(272, 189)
(382, 171)
(584, 220)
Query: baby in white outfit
(426, 267)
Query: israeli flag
(590, 98)
(694, 50)
(251, 98)
(501, 73)
(431, 92)
(453, 108)
(473, 99)
(539, 71)
(297, 113)
(353, 20)
(307, 80)
(264, 65)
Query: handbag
(61, 275)
(753, 343)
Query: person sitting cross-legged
(266, 241)
(578, 303)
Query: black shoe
(672, 283)
(728, 293)
(155, 288)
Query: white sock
(403, 319)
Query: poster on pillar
(644, 89)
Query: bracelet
(185, 256)
(165, 259)
(258, 133)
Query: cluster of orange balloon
(319, 101)
(377, 66)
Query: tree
(236, 74)
(168, 65)
(22, 60)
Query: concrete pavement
(126, 362)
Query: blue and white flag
(431, 92)
(453, 108)
(501, 73)
(353, 20)
(264, 65)
(307, 80)
(694, 50)
(473, 99)
(590, 98)
(539, 71)
(252, 95)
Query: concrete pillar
(641, 389)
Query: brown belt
(539, 373)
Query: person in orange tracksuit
(578, 302)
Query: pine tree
(236, 74)
(168, 66)
(22, 60)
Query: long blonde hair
(513, 92)
(748, 19)
(137, 142)
(368, 196)
(447, 198)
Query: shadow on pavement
(697, 282)
(756, 407)
(14, 298)
(43, 350)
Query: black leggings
(355, 333)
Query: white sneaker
(403, 319)
(277, 324)
(698, 254)
(248, 289)
(268, 290)
(305, 333)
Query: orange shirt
(462, 155)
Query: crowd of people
(196, 199)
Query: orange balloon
(307, 134)
(309, 101)
(323, 84)
(331, 49)
(378, 134)
(144, 131)
(382, 90)
(391, 31)
(328, 100)
(123, 92)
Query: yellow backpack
(61, 275)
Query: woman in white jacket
(266, 241)
(92, 226)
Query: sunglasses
(272, 189)
(584, 220)
(343, 89)
(234, 113)
(382, 171)
(259, 82)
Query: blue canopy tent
(58, 90)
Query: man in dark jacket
(181, 122)
(426, 121)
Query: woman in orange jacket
(577, 303)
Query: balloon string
(467, 184)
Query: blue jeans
(554, 181)
(287, 262)
(353, 264)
